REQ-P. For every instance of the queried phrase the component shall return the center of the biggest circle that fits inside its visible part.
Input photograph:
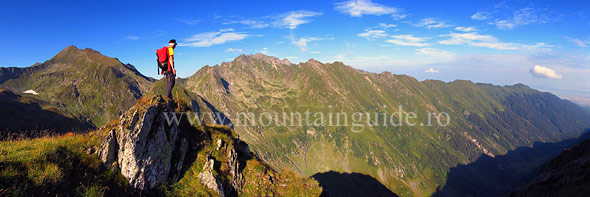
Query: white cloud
(302, 42)
(487, 41)
(294, 18)
(431, 70)
(481, 15)
(544, 72)
(233, 50)
(399, 16)
(376, 32)
(132, 37)
(213, 38)
(254, 23)
(579, 42)
(430, 23)
(435, 53)
(407, 40)
(189, 21)
(373, 34)
(465, 29)
(386, 25)
(461, 38)
(358, 8)
(521, 17)
(405, 43)
(251, 23)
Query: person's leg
(173, 83)
(169, 84)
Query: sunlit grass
(55, 165)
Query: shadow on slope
(350, 184)
(26, 116)
(568, 174)
(496, 176)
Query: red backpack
(162, 55)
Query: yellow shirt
(170, 51)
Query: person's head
(172, 43)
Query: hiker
(166, 63)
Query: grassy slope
(408, 160)
(67, 164)
(56, 165)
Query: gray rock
(149, 151)
(237, 180)
(209, 180)
(109, 148)
(143, 145)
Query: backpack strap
(158, 62)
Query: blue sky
(543, 44)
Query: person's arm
(172, 64)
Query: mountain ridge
(482, 113)
(82, 82)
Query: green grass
(59, 165)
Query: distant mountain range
(484, 120)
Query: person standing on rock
(166, 63)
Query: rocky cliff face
(142, 146)
(149, 151)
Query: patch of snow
(31, 92)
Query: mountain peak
(314, 61)
(73, 54)
(264, 57)
(69, 51)
(71, 47)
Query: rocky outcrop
(149, 148)
(142, 145)
(208, 179)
